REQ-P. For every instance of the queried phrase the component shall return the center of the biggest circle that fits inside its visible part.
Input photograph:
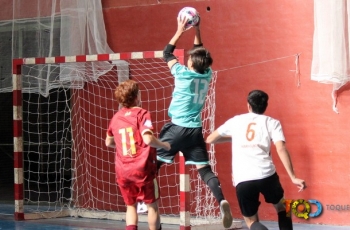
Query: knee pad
(212, 181)
(206, 173)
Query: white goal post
(61, 109)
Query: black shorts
(189, 141)
(248, 193)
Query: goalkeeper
(184, 132)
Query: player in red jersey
(130, 132)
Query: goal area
(62, 106)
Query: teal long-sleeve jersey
(189, 95)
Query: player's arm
(110, 141)
(215, 138)
(287, 163)
(197, 37)
(169, 49)
(154, 142)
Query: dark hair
(201, 59)
(258, 99)
(126, 93)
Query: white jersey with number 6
(252, 135)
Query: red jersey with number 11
(135, 162)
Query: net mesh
(331, 46)
(49, 28)
(66, 163)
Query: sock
(258, 226)
(212, 181)
(131, 227)
(284, 222)
(214, 185)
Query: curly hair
(126, 93)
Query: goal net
(62, 106)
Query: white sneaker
(141, 207)
(226, 214)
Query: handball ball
(191, 14)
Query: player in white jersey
(184, 132)
(253, 170)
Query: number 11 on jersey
(127, 133)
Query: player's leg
(196, 153)
(168, 133)
(149, 193)
(131, 217)
(274, 194)
(256, 225)
(153, 216)
(284, 221)
(248, 199)
(213, 183)
(129, 193)
(210, 179)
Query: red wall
(254, 44)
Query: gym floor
(7, 222)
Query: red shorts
(147, 192)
